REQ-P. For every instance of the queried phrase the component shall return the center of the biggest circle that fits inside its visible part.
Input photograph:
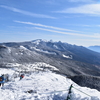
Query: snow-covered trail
(44, 86)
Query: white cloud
(90, 9)
(74, 34)
(56, 30)
(41, 25)
(97, 34)
(82, 0)
(98, 25)
(26, 12)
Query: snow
(44, 51)
(6, 71)
(42, 86)
(16, 53)
(9, 50)
(13, 59)
(40, 65)
(23, 48)
(37, 42)
(55, 46)
(69, 56)
(32, 67)
(12, 65)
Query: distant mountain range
(69, 59)
(95, 48)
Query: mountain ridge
(55, 53)
(70, 60)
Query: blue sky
(72, 21)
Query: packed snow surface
(43, 86)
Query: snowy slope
(43, 86)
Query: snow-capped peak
(36, 41)
(41, 40)
(22, 47)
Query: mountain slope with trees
(71, 60)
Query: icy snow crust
(42, 86)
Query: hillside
(71, 60)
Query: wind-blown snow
(43, 86)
